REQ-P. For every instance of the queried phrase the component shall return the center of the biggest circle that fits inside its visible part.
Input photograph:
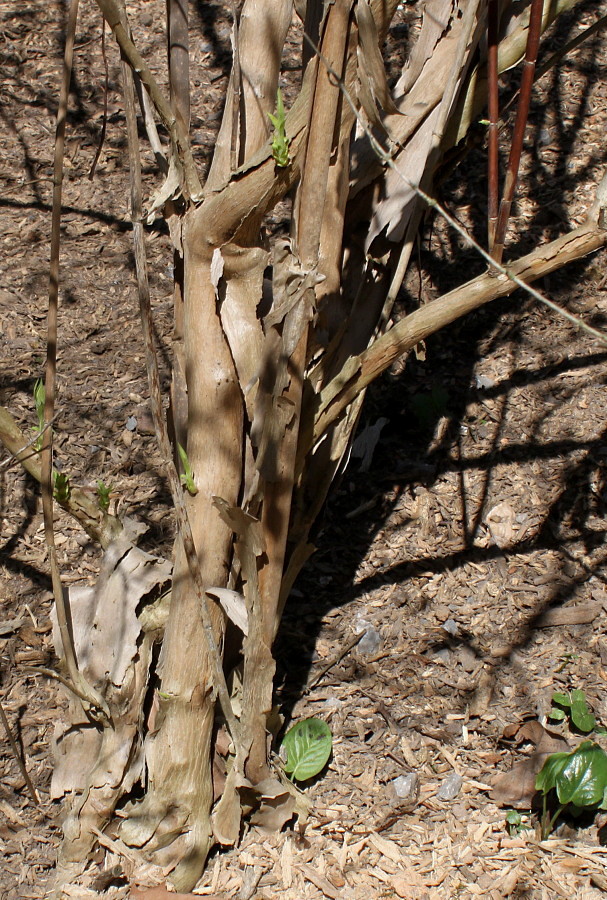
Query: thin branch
(17, 756)
(559, 54)
(179, 60)
(179, 138)
(518, 136)
(94, 702)
(106, 88)
(493, 130)
(236, 86)
(340, 392)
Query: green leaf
(308, 744)
(62, 487)
(187, 476)
(546, 777)
(103, 496)
(557, 715)
(513, 821)
(581, 716)
(280, 141)
(561, 699)
(39, 401)
(579, 777)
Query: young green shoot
(187, 476)
(516, 822)
(103, 496)
(280, 141)
(61, 487)
(39, 400)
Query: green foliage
(187, 476)
(62, 488)
(280, 141)
(39, 401)
(103, 496)
(430, 406)
(574, 707)
(308, 745)
(516, 822)
(579, 780)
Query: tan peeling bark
(173, 819)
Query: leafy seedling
(62, 487)
(308, 745)
(579, 780)
(103, 496)
(574, 707)
(516, 822)
(280, 141)
(187, 476)
(39, 401)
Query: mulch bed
(472, 551)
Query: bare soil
(472, 550)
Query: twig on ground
(334, 661)
(17, 755)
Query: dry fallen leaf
(516, 787)
(501, 521)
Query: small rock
(450, 787)
(483, 382)
(406, 788)
(451, 627)
(370, 642)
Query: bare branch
(179, 138)
(92, 700)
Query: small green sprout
(39, 401)
(103, 496)
(280, 141)
(187, 477)
(62, 487)
(308, 745)
(514, 822)
(578, 779)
